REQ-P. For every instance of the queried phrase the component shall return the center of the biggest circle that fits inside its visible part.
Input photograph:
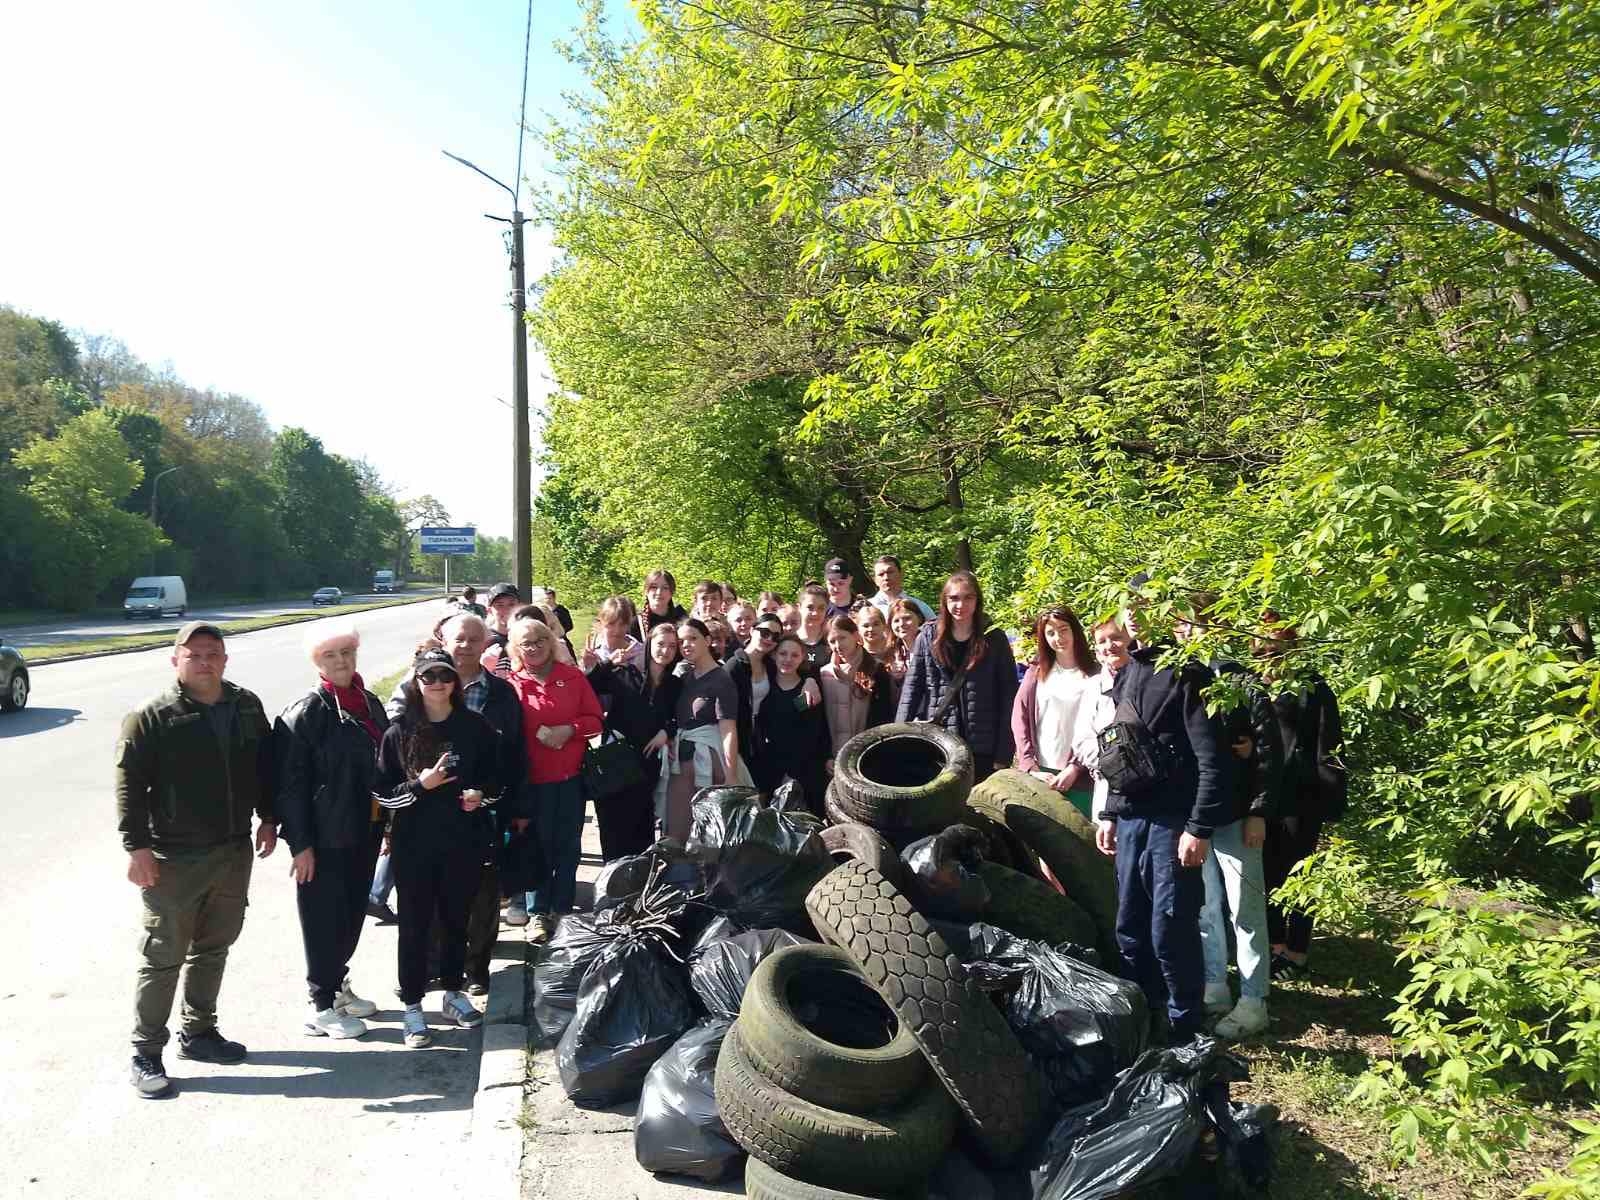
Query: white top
(1098, 711)
(758, 692)
(883, 600)
(1060, 695)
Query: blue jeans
(382, 880)
(558, 820)
(1233, 873)
(1158, 919)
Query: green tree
(76, 480)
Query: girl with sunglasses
(435, 765)
(751, 669)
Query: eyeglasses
(436, 677)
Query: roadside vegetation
(1300, 303)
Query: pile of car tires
(853, 1065)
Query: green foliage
(1296, 302)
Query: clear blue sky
(254, 193)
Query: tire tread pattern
(966, 1040)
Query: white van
(155, 596)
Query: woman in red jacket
(560, 713)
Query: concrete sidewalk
(572, 1153)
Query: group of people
(466, 790)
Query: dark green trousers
(191, 916)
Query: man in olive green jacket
(193, 764)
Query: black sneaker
(210, 1047)
(1281, 966)
(382, 912)
(149, 1077)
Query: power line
(522, 113)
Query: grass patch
(1326, 1030)
(12, 617)
(128, 642)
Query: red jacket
(564, 698)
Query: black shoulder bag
(1132, 758)
(609, 768)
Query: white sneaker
(347, 1004)
(1218, 999)
(416, 1026)
(458, 1008)
(1248, 1018)
(329, 1023)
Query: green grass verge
(128, 642)
(10, 618)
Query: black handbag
(609, 768)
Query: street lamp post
(521, 467)
(155, 488)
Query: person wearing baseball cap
(504, 599)
(191, 766)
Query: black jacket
(1198, 788)
(630, 710)
(176, 786)
(1257, 780)
(1315, 781)
(327, 768)
(794, 743)
(742, 671)
(982, 714)
(497, 703)
(430, 822)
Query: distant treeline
(86, 429)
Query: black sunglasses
(766, 634)
(437, 676)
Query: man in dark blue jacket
(1161, 834)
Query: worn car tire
(906, 776)
(801, 1010)
(1031, 908)
(966, 1040)
(762, 1182)
(883, 1151)
(1062, 836)
(850, 840)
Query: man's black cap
(504, 589)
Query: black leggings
(1287, 927)
(333, 907)
(433, 882)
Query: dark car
(13, 678)
(327, 595)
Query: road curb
(496, 1128)
(34, 663)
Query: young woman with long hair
(706, 729)
(638, 708)
(792, 728)
(659, 588)
(960, 643)
(905, 623)
(1044, 717)
(857, 692)
(435, 766)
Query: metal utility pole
(521, 444)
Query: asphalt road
(97, 628)
(301, 1116)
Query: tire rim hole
(904, 762)
(839, 1007)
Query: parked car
(155, 596)
(13, 678)
(328, 595)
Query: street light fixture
(521, 468)
(155, 488)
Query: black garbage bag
(1245, 1134)
(571, 950)
(1144, 1131)
(621, 879)
(759, 859)
(633, 1004)
(678, 1130)
(1081, 1025)
(942, 874)
(720, 969)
